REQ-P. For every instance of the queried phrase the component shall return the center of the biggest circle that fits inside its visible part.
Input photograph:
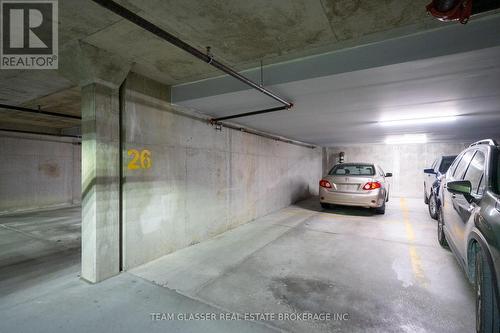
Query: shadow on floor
(313, 204)
(38, 246)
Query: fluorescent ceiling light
(416, 121)
(406, 138)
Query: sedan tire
(380, 210)
(487, 312)
(433, 207)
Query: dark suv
(469, 222)
(432, 183)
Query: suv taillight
(372, 186)
(325, 183)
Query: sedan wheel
(433, 208)
(440, 230)
(487, 316)
(381, 210)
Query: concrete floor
(387, 273)
(38, 246)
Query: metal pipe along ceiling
(40, 133)
(38, 112)
(206, 57)
(253, 113)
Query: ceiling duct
(460, 10)
(451, 10)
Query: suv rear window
(353, 170)
(475, 171)
(462, 165)
(446, 163)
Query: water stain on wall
(50, 169)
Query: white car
(355, 184)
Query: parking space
(38, 246)
(388, 273)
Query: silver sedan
(355, 184)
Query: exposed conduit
(121, 108)
(269, 136)
(206, 57)
(186, 112)
(40, 133)
(39, 112)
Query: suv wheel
(426, 200)
(324, 205)
(440, 230)
(433, 207)
(487, 312)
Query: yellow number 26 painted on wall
(140, 160)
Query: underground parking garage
(297, 166)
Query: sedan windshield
(353, 170)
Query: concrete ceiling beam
(450, 39)
(84, 64)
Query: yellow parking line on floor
(416, 263)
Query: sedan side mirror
(430, 171)
(389, 174)
(463, 187)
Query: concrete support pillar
(100, 182)
(99, 74)
(325, 160)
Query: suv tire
(440, 230)
(487, 312)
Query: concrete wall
(38, 172)
(202, 182)
(406, 161)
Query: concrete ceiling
(241, 33)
